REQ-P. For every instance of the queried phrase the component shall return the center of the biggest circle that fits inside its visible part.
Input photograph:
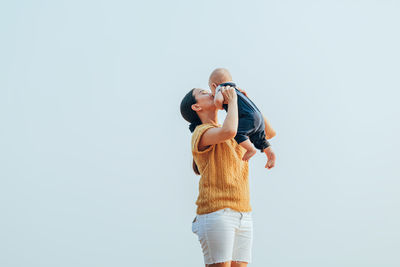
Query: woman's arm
(218, 100)
(229, 128)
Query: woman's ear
(196, 107)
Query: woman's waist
(227, 212)
(207, 204)
(228, 209)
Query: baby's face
(212, 86)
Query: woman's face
(204, 98)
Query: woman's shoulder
(204, 126)
(197, 134)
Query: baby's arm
(218, 99)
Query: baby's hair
(220, 75)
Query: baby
(252, 124)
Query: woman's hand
(242, 91)
(229, 94)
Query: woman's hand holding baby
(243, 91)
(229, 94)
(231, 121)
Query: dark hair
(188, 113)
(191, 116)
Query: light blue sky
(95, 161)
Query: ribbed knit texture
(224, 181)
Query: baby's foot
(249, 153)
(271, 158)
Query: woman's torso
(224, 175)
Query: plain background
(95, 160)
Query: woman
(223, 222)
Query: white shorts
(225, 235)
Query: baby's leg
(259, 141)
(250, 150)
(246, 126)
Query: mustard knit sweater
(224, 181)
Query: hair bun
(193, 125)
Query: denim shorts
(225, 235)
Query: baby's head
(217, 77)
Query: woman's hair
(191, 116)
(188, 113)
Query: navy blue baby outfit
(251, 122)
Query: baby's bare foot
(249, 153)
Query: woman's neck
(211, 117)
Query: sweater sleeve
(197, 134)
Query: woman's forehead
(200, 90)
(197, 91)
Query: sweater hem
(249, 209)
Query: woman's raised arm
(229, 128)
